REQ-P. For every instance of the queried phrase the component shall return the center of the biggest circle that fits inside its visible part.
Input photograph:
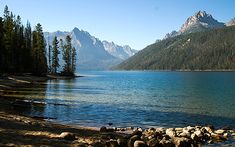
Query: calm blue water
(140, 98)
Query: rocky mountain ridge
(200, 21)
(92, 53)
(231, 22)
(122, 52)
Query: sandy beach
(17, 130)
(20, 130)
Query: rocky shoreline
(18, 130)
(170, 137)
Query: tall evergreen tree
(8, 40)
(39, 52)
(49, 59)
(18, 46)
(67, 50)
(2, 48)
(22, 50)
(74, 60)
(28, 48)
(69, 56)
(55, 53)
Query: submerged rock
(219, 131)
(210, 141)
(226, 128)
(103, 129)
(217, 137)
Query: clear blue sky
(137, 23)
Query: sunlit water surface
(138, 98)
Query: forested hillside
(207, 50)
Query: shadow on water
(96, 114)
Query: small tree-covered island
(70, 88)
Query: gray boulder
(139, 143)
(132, 140)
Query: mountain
(91, 52)
(200, 21)
(172, 34)
(122, 52)
(231, 22)
(207, 50)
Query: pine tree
(67, 49)
(39, 52)
(18, 46)
(55, 53)
(8, 40)
(69, 57)
(22, 50)
(2, 49)
(28, 48)
(49, 59)
(74, 60)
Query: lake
(138, 98)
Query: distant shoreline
(10, 82)
(180, 70)
(50, 76)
